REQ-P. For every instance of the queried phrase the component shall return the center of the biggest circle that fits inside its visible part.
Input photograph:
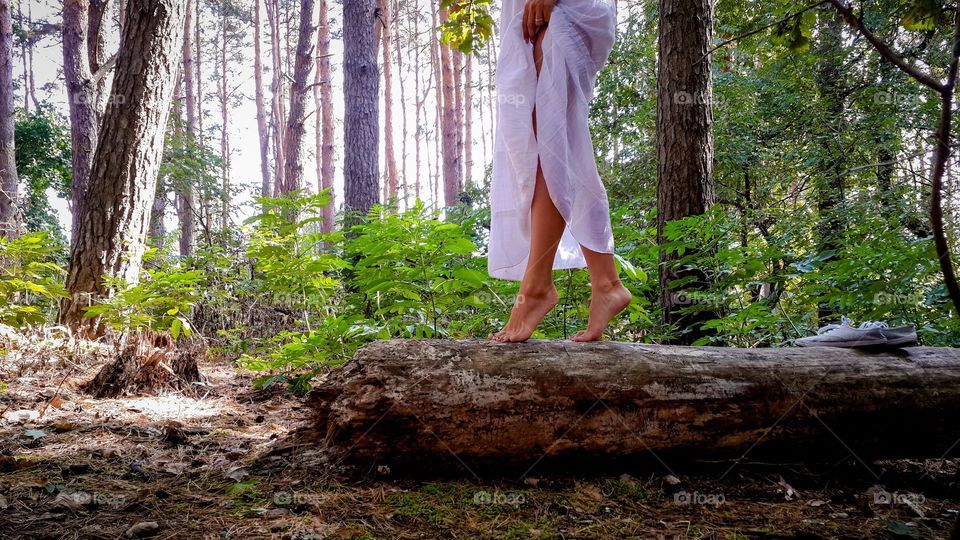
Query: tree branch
(761, 29)
(885, 51)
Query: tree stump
(415, 404)
(147, 363)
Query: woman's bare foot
(529, 309)
(607, 302)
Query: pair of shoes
(869, 334)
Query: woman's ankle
(604, 286)
(538, 290)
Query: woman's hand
(536, 16)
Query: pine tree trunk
(421, 132)
(23, 58)
(112, 226)
(391, 159)
(9, 220)
(262, 132)
(83, 99)
(296, 128)
(185, 209)
(361, 95)
(224, 126)
(458, 112)
(30, 70)
(279, 93)
(403, 187)
(451, 156)
(438, 115)
(491, 99)
(684, 140)
(468, 124)
(327, 134)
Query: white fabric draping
(576, 45)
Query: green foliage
(30, 281)
(468, 25)
(43, 165)
(413, 272)
(295, 271)
(161, 301)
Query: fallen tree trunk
(489, 406)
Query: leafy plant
(30, 282)
(161, 301)
(414, 273)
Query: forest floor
(213, 465)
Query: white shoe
(869, 334)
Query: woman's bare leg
(608, 295)
(538, 294)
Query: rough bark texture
(500, 407)
(684, 137)
(468, 124)
(224, 123)
(185, 206)
(278, 89)
(296, 128)
(262, 132)
(82, 97)
(326, 135)
(8, 159)
(112, 226)
(451, 156)
(148, 363)
(361, 91)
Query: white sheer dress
(577, 43)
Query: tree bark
(262, 131)
(326, 135)
(113, 224)
(361, 95)
(468, 124)
(458, 112)
(278, 90)
(83, 97)
(684, 142)
(296, 128)
(224, 124)
(185, 204)
(451, 155)
(403, 187)
(9, 183)
(438, 116)
(149, 363)
(433, 404)
(388, 142)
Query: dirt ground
(222, 464)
